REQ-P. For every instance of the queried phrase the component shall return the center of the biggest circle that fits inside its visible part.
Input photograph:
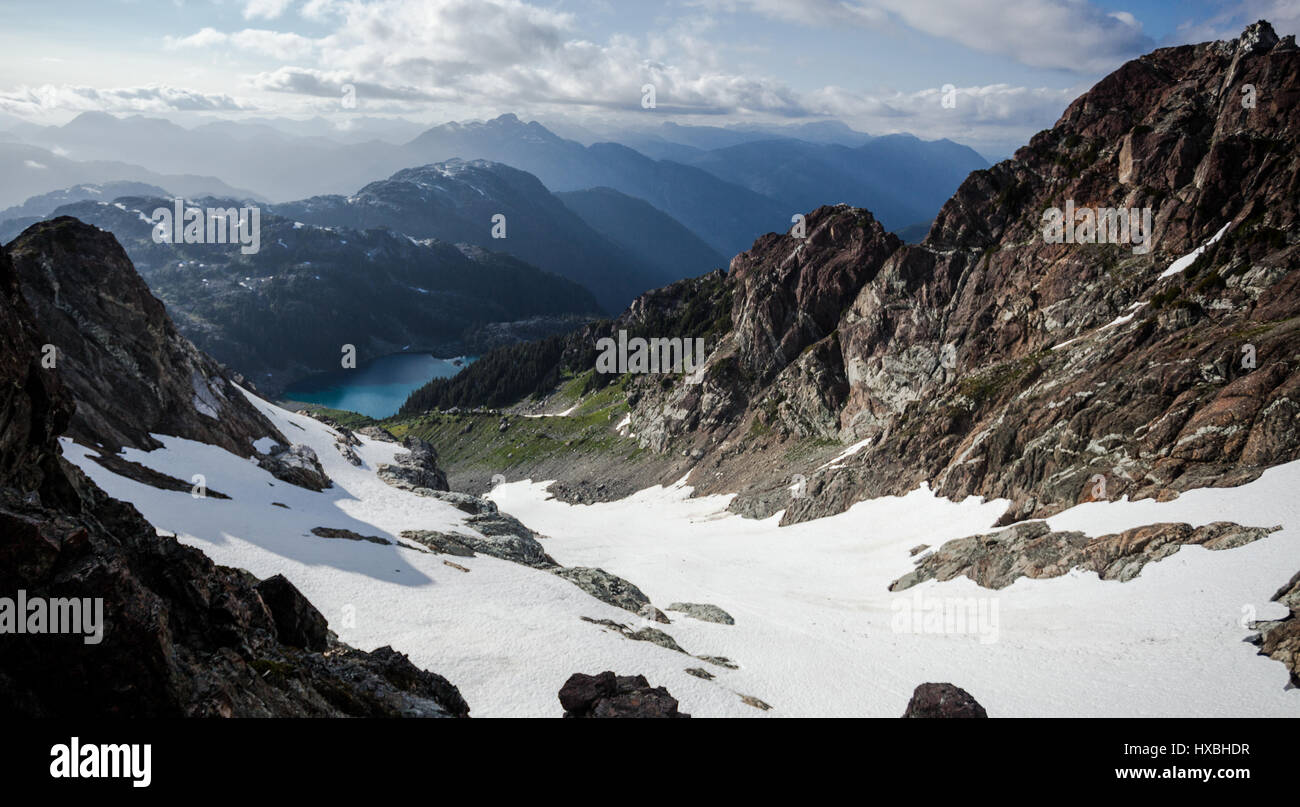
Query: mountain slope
(652, 237)
(456, 201)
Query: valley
(761, 416)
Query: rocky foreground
(182, 636)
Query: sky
(880, 66)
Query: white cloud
(1284, 15)
(276, 44)
(270, 9)
(1066, 34)
(994, 119)
(36, 101)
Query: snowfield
(817, 631)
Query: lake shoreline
(376, 388)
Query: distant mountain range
(456, 201)
(709, 179)
(902, 179)
(639, 228)
(19, 217)
(31, 171)
(726, 216)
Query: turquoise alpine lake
(376, 388)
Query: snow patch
(1187, 260)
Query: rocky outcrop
(415, 469)
(1280, 638)
(148, 476)
(348, 453)
(297, 465)
(502, 537)
(643, 634)
(703, 611)
(348, 535)
(128, 369)
(377, 433)
(610, 695)
(181, 636)
(606, 587)
(1032, 549)
(943, 700)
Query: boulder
(610, 695)
(297, 465)
(943, 700)
(416, 469)
(606, 587)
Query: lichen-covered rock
(502, 536)
(606, 587)
(348, 535)
(1032, 549)
(377, 433)
(703, 611)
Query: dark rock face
(122, 360)
(610, 695)
(297, 621)
(1031, 549)
(181, 636)
(943, 700)
(415, 469)
(297, 465)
